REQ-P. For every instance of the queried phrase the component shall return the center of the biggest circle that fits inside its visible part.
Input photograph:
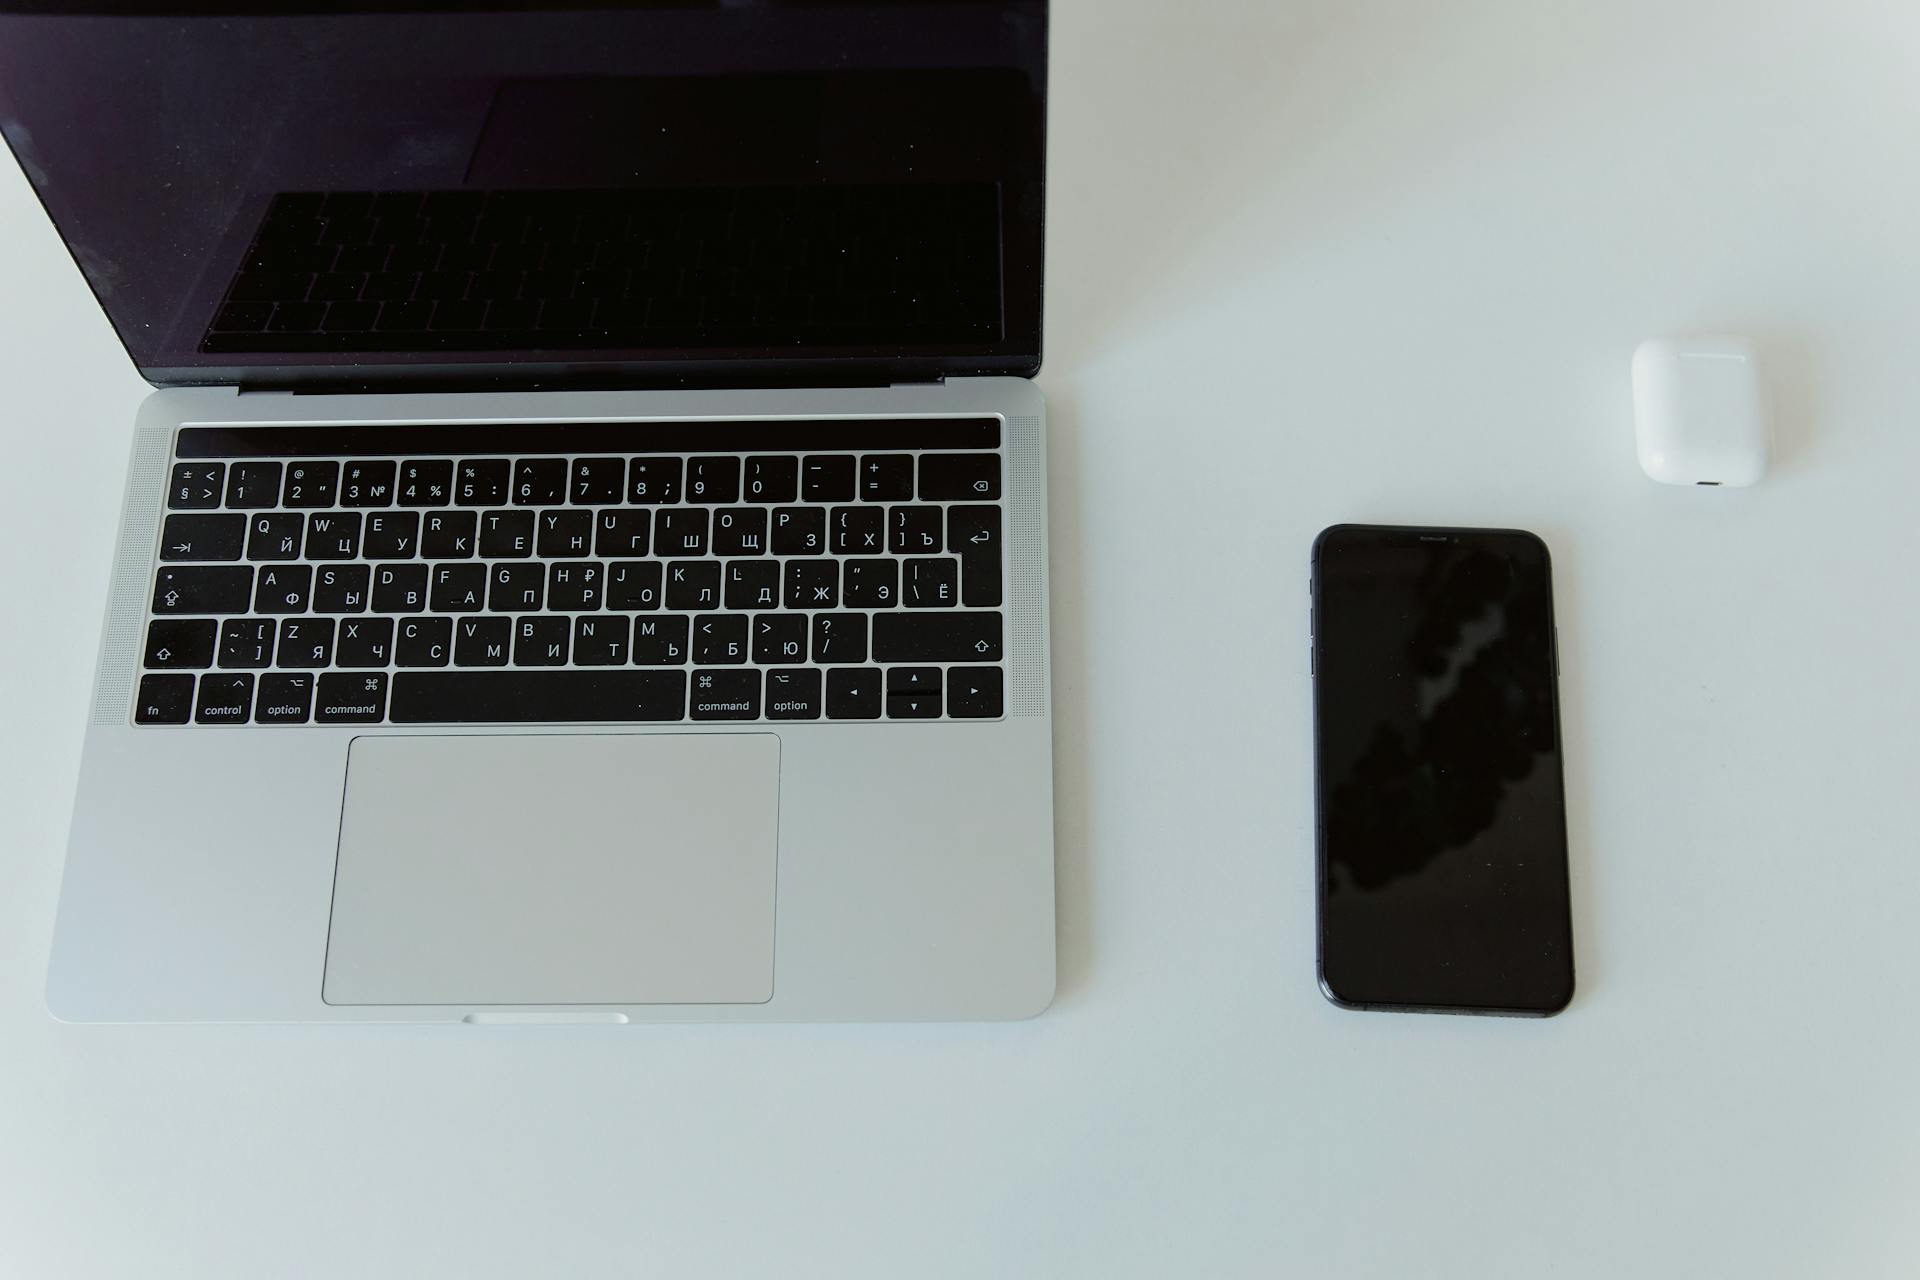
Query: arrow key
(913, 706)
(913, 680)
(974, 693)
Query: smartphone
(1440, 807)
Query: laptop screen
(697, 191)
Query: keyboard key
(224, 699)
(506, 535)
(517, 588)
(458, 588)
(780, 639)
(311, 484)
(793, 695)
(305, 642)
(813, 584)
(740, 531)
(772, 479)
(681, 532)
(598, 482)
(246, 642)
(399, 588)
(973, 533)
(392, 535)
(566, 533)
(284, 698)
(720, 638)
(333, 535)
(423, 642)
(915, 530)
(974, 693)
(195, 486)
(858, 531)
(660, 641)
(164, 699)
(341, 588)
(541, 641)
(536, 697)
(448, 535)
(693, 584)
(913, 706)
(351, 698)
(799, 531)
(840, 637)
(575, 586)
(886, 477)
(633, 585)
(937, 637)
(827, 477)
(367, 484)
(871, 584)
(540, 482)
(481, 482)
(653, 480)
(364, 642)
(713, 480)
(215, 536)
(203, 590)
(179, 644)
(275, 536)
(482, 642)
(726, 695)
(600, 641)
(253, 484)
(959, 477)
(621, 532)
(753, 584)
(853, 693)
(426, 483)
(931, 584)
(913, 680)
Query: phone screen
(1442, 816)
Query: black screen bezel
(1504, 541)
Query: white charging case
(1700, 411)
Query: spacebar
(536, 697)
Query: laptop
(584, 559)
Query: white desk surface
(1312, 260)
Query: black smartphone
(1441, 810)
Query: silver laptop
(585, 558)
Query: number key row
(971, 531)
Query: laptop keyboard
(602, 572)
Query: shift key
(203, 589)
(937, 637)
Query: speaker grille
(132, 562)
(1028, 696)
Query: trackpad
(570, 869)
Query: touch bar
(450, 440)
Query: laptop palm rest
(556, 869)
